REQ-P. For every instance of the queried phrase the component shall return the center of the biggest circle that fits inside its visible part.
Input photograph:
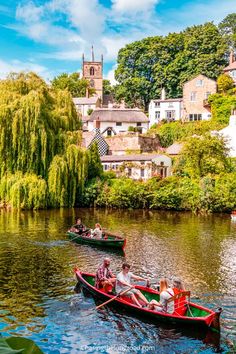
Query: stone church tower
(93, 72)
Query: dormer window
(92, 71)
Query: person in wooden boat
(97, 231)
(123, 282)
(104, 278)
(179, 304)
(165, 294)
(79, 228)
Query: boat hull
(207, 321)
(110, 242)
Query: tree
(72, 82)
(94, 166)
(145, 66)
(227, 28)
(225, 83)
(203, 155)
(108, 89)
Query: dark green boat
(107, 240)
(194, 315)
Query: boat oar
(110, 300)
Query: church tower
(93, 72)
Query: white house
(84, 104)
(229, 133)
(139, 166)
(113, 121)
(169, 109)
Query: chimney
(163, 94)
(87, 93)
(232, 119)
(97, 124)
(122, 104)
(231, 57)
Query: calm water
(37, 283)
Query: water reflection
(37, 281)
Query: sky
(50, 36)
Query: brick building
(195, 98)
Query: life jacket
(179, 308)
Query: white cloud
(111, 75)
(133, 6)
(18, 66)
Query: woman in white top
(97, 232)
(165, 294)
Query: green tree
(225, 83)
(94, 167)
(108, 89)
(72, 82)
(221, 107)
(145, 66)
(203, 155)
(227, 28)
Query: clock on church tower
(93, 72)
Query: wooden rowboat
(195, 315)
(108, 239)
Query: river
(37, 283)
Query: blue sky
(49, 36)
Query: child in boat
(165, 294)
(179, 304)
(97, 232)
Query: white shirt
(123, 277)
(164, 297)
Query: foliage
(11, 345)
(145, 66)
(108, 89)
(34, 122)
(89, 111)
(221, 107)
(24, 191)
(72, 82)
(203, 155)
(224, 83)
(207, 194)
(94, 162)
(168, 133)
(227, 28)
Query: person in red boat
(123, 282)
(179, 304)
(104, 278)
(165, 294)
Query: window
(142, 172)
(233, 73)
(199, 83)
(105, 167)
(157, 115)
(193, 96)
(114, 167)
(109, 132)
(162, 163)
(129, 172)
(169, 114)
(139, 124)
(194, 117)
(207, 94)
(157, 104)
(92, 71)
(171, 105)
(118, 124)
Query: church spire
(92, 52)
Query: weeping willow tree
(34, 121)
(41, 161)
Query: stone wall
(125, 144)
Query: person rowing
(78, 228)
(123, 282)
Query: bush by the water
(206, 194)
